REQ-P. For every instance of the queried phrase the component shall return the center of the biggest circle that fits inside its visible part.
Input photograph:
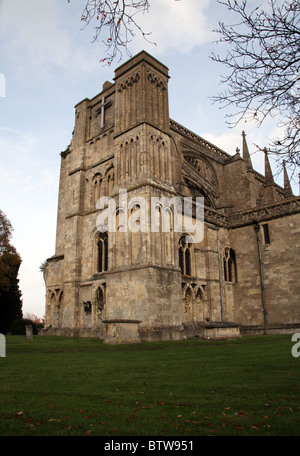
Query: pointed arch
(96, 190)
(229, 265)
(102, 252)
(186, 256)
(195, 190)
(109, 180)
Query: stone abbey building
(241, 277)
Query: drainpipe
(220, 274)
(257, 230)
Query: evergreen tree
(10, 261)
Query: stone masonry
(134, 285)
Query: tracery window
(185, 256)
(102, 246)
(229, 265)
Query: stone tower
(140, 281)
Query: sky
(48, 63)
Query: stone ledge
(272, 329)
(221, 324)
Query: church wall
(236, 194)
(221, 308)
(212, 274)
(99, 149)
(124, 139)
(282, 270)
(248, 303)
(280, 273)
(88, 247)
(151, 296)
(63, 204)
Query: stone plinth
(122, 331)
(221, 330)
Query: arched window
(109, 181)
(188, 301)
(185, 256)
(96, 188)
(102, 245)
(229, 265)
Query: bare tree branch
(264, 70)
(115, 21)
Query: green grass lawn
(69, 386)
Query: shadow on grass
(71, 386)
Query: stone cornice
(264, 213)
(198, 139)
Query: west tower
(137, 283)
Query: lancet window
(102, 246)
(229, 265)
(185, 256)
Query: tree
(10, 261)
(117, 19)
(264, 70)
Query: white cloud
(34, 38)
(28, 189)
(174, 25)
(261, 136)
(39, 34)
(226, 141)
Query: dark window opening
(181, 262)
(266, 233)
(102, 263)
(229, 265)
(185, 257)
(187, 262)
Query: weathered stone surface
(123, 139)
